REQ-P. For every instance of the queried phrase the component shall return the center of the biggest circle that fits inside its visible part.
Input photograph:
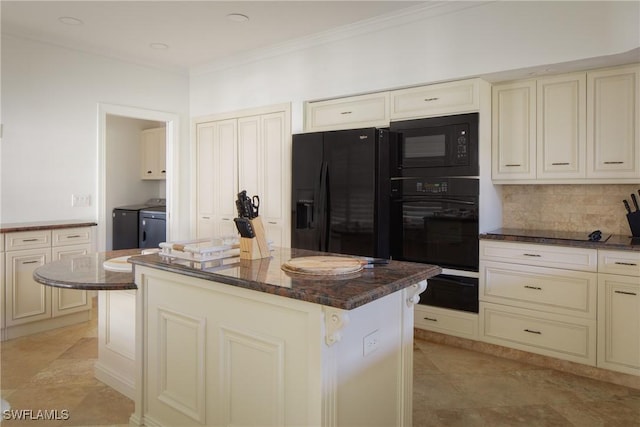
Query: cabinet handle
(149, 172)
(430, 319)
(625, 293)
(533, 255)
(431, 99)
(346, 112)
(30, 262)
(560, 164)
(272, 222)
(226, 219)
(512, 165)
(533, 332)
(537, 288)
(206, 217)
(73, 236)
(632, 264)
(29, 240)
(613, 163)
(163, 171)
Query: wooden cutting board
(323, 265)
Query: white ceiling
(196, 32)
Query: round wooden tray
(323, 265)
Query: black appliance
(340, 192)
(126, 224)
(435, 221)
(152, 228)
(437, 146)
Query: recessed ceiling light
(159, 46)
(237, 17)
(70, 20)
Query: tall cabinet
(244, 151)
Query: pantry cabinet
(153, 154)
(571, 128)
(249, 152)
(619, 311)
(28, 305)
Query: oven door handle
(434, 199)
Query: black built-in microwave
(436, 146)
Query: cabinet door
(250, 155)
(619, 323)
(204, 178)
(514, 131)
(26, 300)
(153, 154)
(438, 99)
(225, 176)
(67, 301)
(613, 137)
(348, 113)
(276, 179)
(561, 117)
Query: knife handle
(635, 202)
(626, 205)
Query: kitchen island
(246, 343)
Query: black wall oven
(436, 146)
(435, 221)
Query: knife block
(634, 223)
(255, 247)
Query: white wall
(50, 98)
(484, 38)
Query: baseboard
(114, 380)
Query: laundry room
(135, 193)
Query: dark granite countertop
(563, 238)
(86, 272)
(44, 225)
(265, 275)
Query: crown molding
(427, 10)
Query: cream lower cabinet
(619, 311)
(541, 308)
(250, 152)
(451, 322)
(30, 306)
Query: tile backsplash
(580, 208)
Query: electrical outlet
(81, 200)
(370, 343)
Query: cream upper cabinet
(249, 152)
(153, 154)
(578, 128)
(348, 113)
(561, 115)
(613, 113)
(435, 100)
(514, 131)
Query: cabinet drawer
(346, 113)
(27, 240)
(450, 322)
(619, 262)
(72, 236)
(444, 98)
(551, 335)
(568, 292)
(540, 255)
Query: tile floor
(452, 387)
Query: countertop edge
(344, 304)
(615, 242)
(45, 225)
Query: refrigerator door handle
(323, 212)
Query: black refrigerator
(340, 192)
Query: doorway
(119, 181)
